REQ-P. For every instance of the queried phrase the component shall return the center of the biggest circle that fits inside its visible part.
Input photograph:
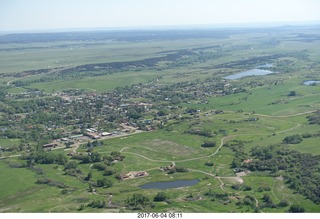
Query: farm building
(51, 145)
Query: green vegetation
(292, 139)
(92, 120)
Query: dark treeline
(99, 69)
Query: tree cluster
(209, 144)
(237, 146)
(301, 170)
(314, 118)
(200, 132)
(293, 139)
(139, 202)
(42, 157)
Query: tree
(283, 203)
(208, 144)
(292, 93)
(133, 114)
(314, 118)
(160, 197)
(90, 189)
(61, 159)
(99, 166)
(104, 182)
(266, 198)
(162, 112)
(95, 157)
(247, 201)
(97, 204)
(292, 139)
(71, 165)
(86, 159)
(109, 172)
(209, 163)
(139, 202)
(88, 177)
(181, 169)
(296, 209)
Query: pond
(251, 72)
(311, 82)
(170, 185)
(268, 65)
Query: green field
(188, 104)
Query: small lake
(311, 82)
(252, 72)
(265, 66)
(170, 185)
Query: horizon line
(267, 24)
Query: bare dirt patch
(280, 178)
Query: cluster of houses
(91, 133)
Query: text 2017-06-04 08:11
(159, 215)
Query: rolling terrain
(87, 118)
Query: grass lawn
(308, 145)
(8, 142)
(260, 101)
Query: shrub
(97, 204)
(209, 163)
(292, 139)
(160, 197)
(296, 209)
(292, 93)
(109, 172)
(207, 144)
(306, 135)
(283, 203)
(139, 202)
(104, 182)
(71, 165)
(181, 169)
(99, 166)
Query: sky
(28, 15)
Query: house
(51, 145)
(124, 177)
(89, 130)
(106, 134)
(93, 136)
(140, 174)
(76, 136)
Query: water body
(265, 66)
(311, 82)
(170, 185)
(252, 72)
